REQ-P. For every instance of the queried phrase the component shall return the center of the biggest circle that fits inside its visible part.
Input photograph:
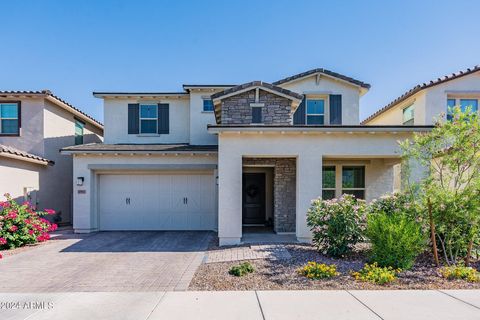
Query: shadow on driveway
(143, 241)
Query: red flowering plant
(21, 224)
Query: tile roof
(257, 84)
(101, 147)
(16, 152)
(419, 88)
(324, 71)
(50, 94)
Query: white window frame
(413, 114)
(458, 100)
(140, 118)
(203, 105)
(17, 118)
(325, 113)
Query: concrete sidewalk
(398, 304)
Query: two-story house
(223, 157)
(428, 102)
(34, 126)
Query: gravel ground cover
(283, 274)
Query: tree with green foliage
(449, 193)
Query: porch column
(229, 199)
(309, 187)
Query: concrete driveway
(106, 261)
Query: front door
(253, 198)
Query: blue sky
(76, 47)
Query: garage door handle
(127, 200)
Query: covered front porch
(289, 168)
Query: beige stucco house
(232, 158)
(428, 102)
(34, 126)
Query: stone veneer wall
(237, 109)
(284, 190)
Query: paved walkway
(252, 252)
(106, 261)
(251, 305)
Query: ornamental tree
(449, 192)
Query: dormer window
(148, 118)
(207, 105)
(315, 111)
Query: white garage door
(157, 202)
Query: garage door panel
(157, 202)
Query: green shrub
(397, 239)
(375, 274)
(241, 269)
(314, 270)
(336, 224)
(460, 272)
(21, 224)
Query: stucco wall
(31, 131)
(17, 175)
(326, 85)
(85, 217)
(309, 151)
(237, 109)
(394, 116)
(116, 122)
(56, 182)
(199, 119)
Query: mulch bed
(283, 274)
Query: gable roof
(326, 72)
(12, 152)
(47, 94)
(419, 88)
(257, 84)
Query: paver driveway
(107, 261)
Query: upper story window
(148, 118)
(462, 103)
(79, 126)
(408, 115)
(353, 181)
(10, 118)
(315, 111)
(257, 115)
(207, 105)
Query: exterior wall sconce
(216, 180)
(80, 181)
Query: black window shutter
(256, 115)
(335, 109)
(299, 115)
(163, 118)
(133, 118)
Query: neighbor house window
(408, 116)
(79, 132)
(315, 111)
(450, 106)
(328, 182)
(9, 118)
(353, 181)
(148, 118)
(463, 104)
(207, 105)
(256, 114)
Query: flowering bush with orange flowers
(20, 224)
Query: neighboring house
(222, 157)
(425, 103)
(34, 126)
